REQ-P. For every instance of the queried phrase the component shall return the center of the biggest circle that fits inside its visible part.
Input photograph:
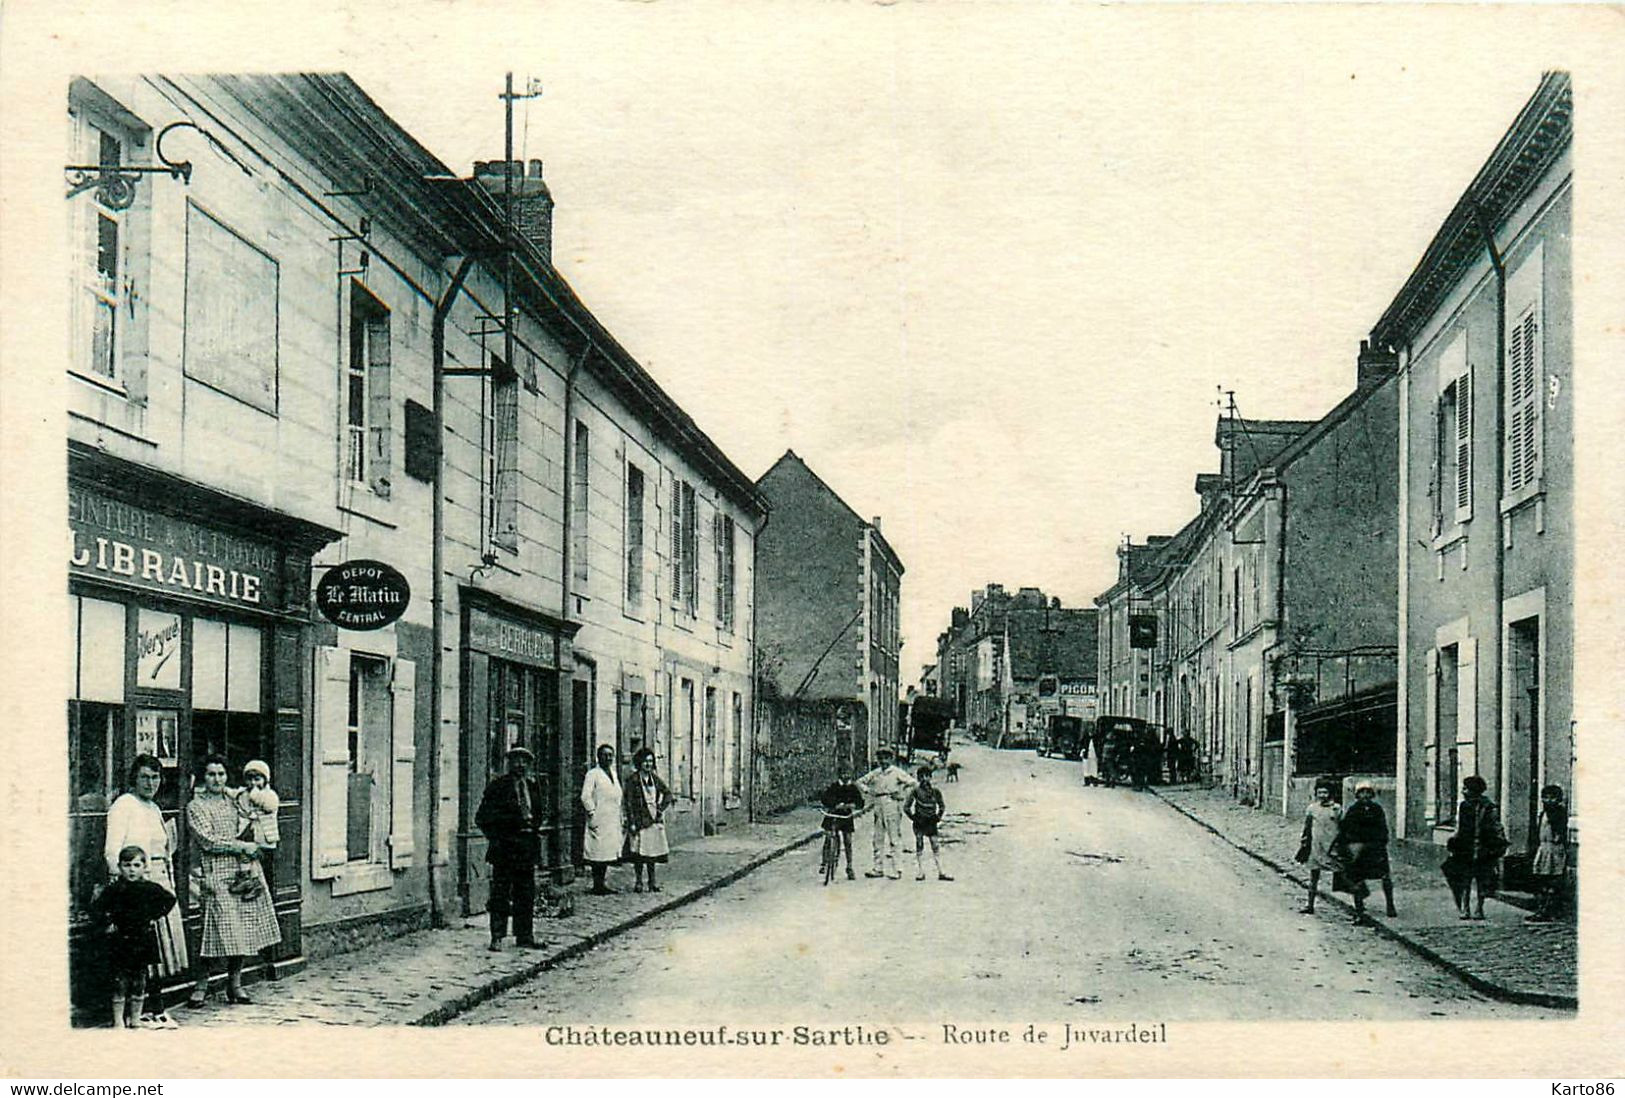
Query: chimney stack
(532, 201)
(1374, 367)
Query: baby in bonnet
(260, 803)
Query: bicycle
(831, 857)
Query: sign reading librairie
(362, 594)
(124, 542)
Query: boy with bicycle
(841, 800)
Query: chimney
(976, 598)
(532, 201)
(875, 522)
(1374, 367)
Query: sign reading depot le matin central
(125, 543)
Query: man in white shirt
(887, 786)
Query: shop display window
(524, 713)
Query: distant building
(829, 595)
(1011, 661)
(1484, 332)
(1264, 628)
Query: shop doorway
(581, 755)
(1523, 698)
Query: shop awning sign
(362, 594)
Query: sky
(986, 268)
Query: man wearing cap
(887, 785)
(510, 815)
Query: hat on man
(885, 753)
(516, 749)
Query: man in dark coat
(510, 815)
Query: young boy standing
(925, 808)
(129, 906)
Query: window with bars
(366, 394)
(504, 455)
(1523, 415)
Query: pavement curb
(468, 1000)
(1478, 983)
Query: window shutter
(1432, 749)
(691, 552)
(328, 817)
(378, 406)
(717, 566)
(1467, 706)
(1464, 446)
(403, 756)
(677, 542)
(1523, 404)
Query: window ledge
(360, 501)
(1450, 537)
(374, 519)
(105, 385)
(1523, 496)
(103, 425)
(363, 877)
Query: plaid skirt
(169, 930)
(232, 926)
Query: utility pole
(533, 90)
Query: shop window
(99, 650)
(95, 743)
(366, 755)
(634, 540)
(366, 394)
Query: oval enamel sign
(362, 594)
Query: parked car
(1064, 737)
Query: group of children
(888, 784)
(130, 905)
(1352, 844)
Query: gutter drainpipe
(442, 311)
(1496, 548)
(561, 786)
(755, 665)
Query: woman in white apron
(601, 798)
(647, 799)
(135, 819)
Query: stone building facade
(284, 359)
(1483, 330)
(828, 610)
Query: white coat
(601, 797)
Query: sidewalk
(1503, 956)
(430, 976)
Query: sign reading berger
(111, 539)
